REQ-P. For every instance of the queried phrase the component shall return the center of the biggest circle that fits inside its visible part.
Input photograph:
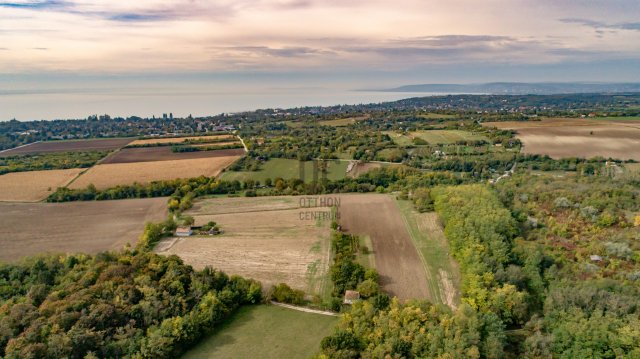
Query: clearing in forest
(268, 332)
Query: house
(351, 296)
(595, 258)
(184, 231)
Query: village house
(184, 231)
(351, 296)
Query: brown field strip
(402, 273)
(270, 244)
(177, 139)
(34, 186)
(68, 146)
(74, 227)
(584, 138)
(113, 174)
(151, 154)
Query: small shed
(595, 258)
(184, 231)
(351, 296)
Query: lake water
(80, 103)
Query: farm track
(306, 310)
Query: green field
(435, 136)
(433, 248)
(436, 116)
(285, 168)
(266, 331)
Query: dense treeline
(590, 269)
(184, 190)
(126, 304)
(50, 161)
(480, 232)
(414, 330)
(181, 149)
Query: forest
(531, 286)
(115, 304)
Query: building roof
(183, 230)
(351, 295)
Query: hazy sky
(344, 43)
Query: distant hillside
(520, 88)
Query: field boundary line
(306, 310)
(15, 148)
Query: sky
(234, 45)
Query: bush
(284, 294)
(368, 288)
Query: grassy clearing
(286, 168)
(366, 259)
(435, 137)
(443, 275)
(266, 331)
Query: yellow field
(176, 139)
(114, 174)
(34, 186)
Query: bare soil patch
(68, 146)
(151, 154)
(264, 238)
(87, 227)
(585, 138)
(402, 273)
(34, 186)
(114, 174)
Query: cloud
(36, 5)
(285, 52)
(141, 12)
(598, 25)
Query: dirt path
(401, 270)
(306, 310)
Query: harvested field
(113, 174)
(264, 238)
(152, 141)
(402, 273)
(34, 186)
(87, 227)
(109, 144)
(587, 138)
(151, 154)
